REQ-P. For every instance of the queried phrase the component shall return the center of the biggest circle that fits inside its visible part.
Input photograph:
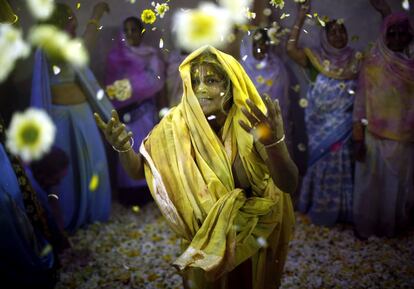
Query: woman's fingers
(245, 126)
(118, 131)
(101, 124)
(110, 126)
(126, 139)
(115, 116)
(256, 111)
(252, 119)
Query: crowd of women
(218, 163)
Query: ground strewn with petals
(135, 250)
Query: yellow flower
(110, 91)
(148, 16)
(260, 79)
(31, 134)
(269, 82)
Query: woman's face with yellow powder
(209, 86)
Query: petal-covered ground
(135, 250)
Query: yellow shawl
(189, 172)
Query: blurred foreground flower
(31, 134)
(41, 9)
(120, 90)
(148, 16)
(239, 9)
(209, 24)
(12, 47)
(58, 45)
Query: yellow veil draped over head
(189, 172)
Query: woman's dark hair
(332, 23)
(136, 21)
(261, 34)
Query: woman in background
(70, 97)
(266, 70)
(326, 193)
(143, 68)
(384, 130)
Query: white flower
(58, 44)
(41, 9)
(75, 53)
(12, 47)
(209, 24)
(275, 33)
(249, 14)
(160, 9)
(277, 3)
(239, 10)
(31, 134)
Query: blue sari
(24, 262)
(326, 194)
(78, 136)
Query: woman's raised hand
(115, 132)
(99, 9)
(268, 129)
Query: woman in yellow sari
(220, 172)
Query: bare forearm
(282, 168)
(132, 163)
(292, 47)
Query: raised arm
(116, 134)
(292, 48)
(272, 147)
(382, 7)
(92, 28)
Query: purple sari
(144, 68)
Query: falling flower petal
(406, 5)
(284, 15)
(94, 183)
(303, 102)
(100, 94)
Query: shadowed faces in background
(211, 86)
(133, 31)
(336, 34)
(399, 36)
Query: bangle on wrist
(54, 196)
(276, 142)
(127, 150)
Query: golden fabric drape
(189, 171)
